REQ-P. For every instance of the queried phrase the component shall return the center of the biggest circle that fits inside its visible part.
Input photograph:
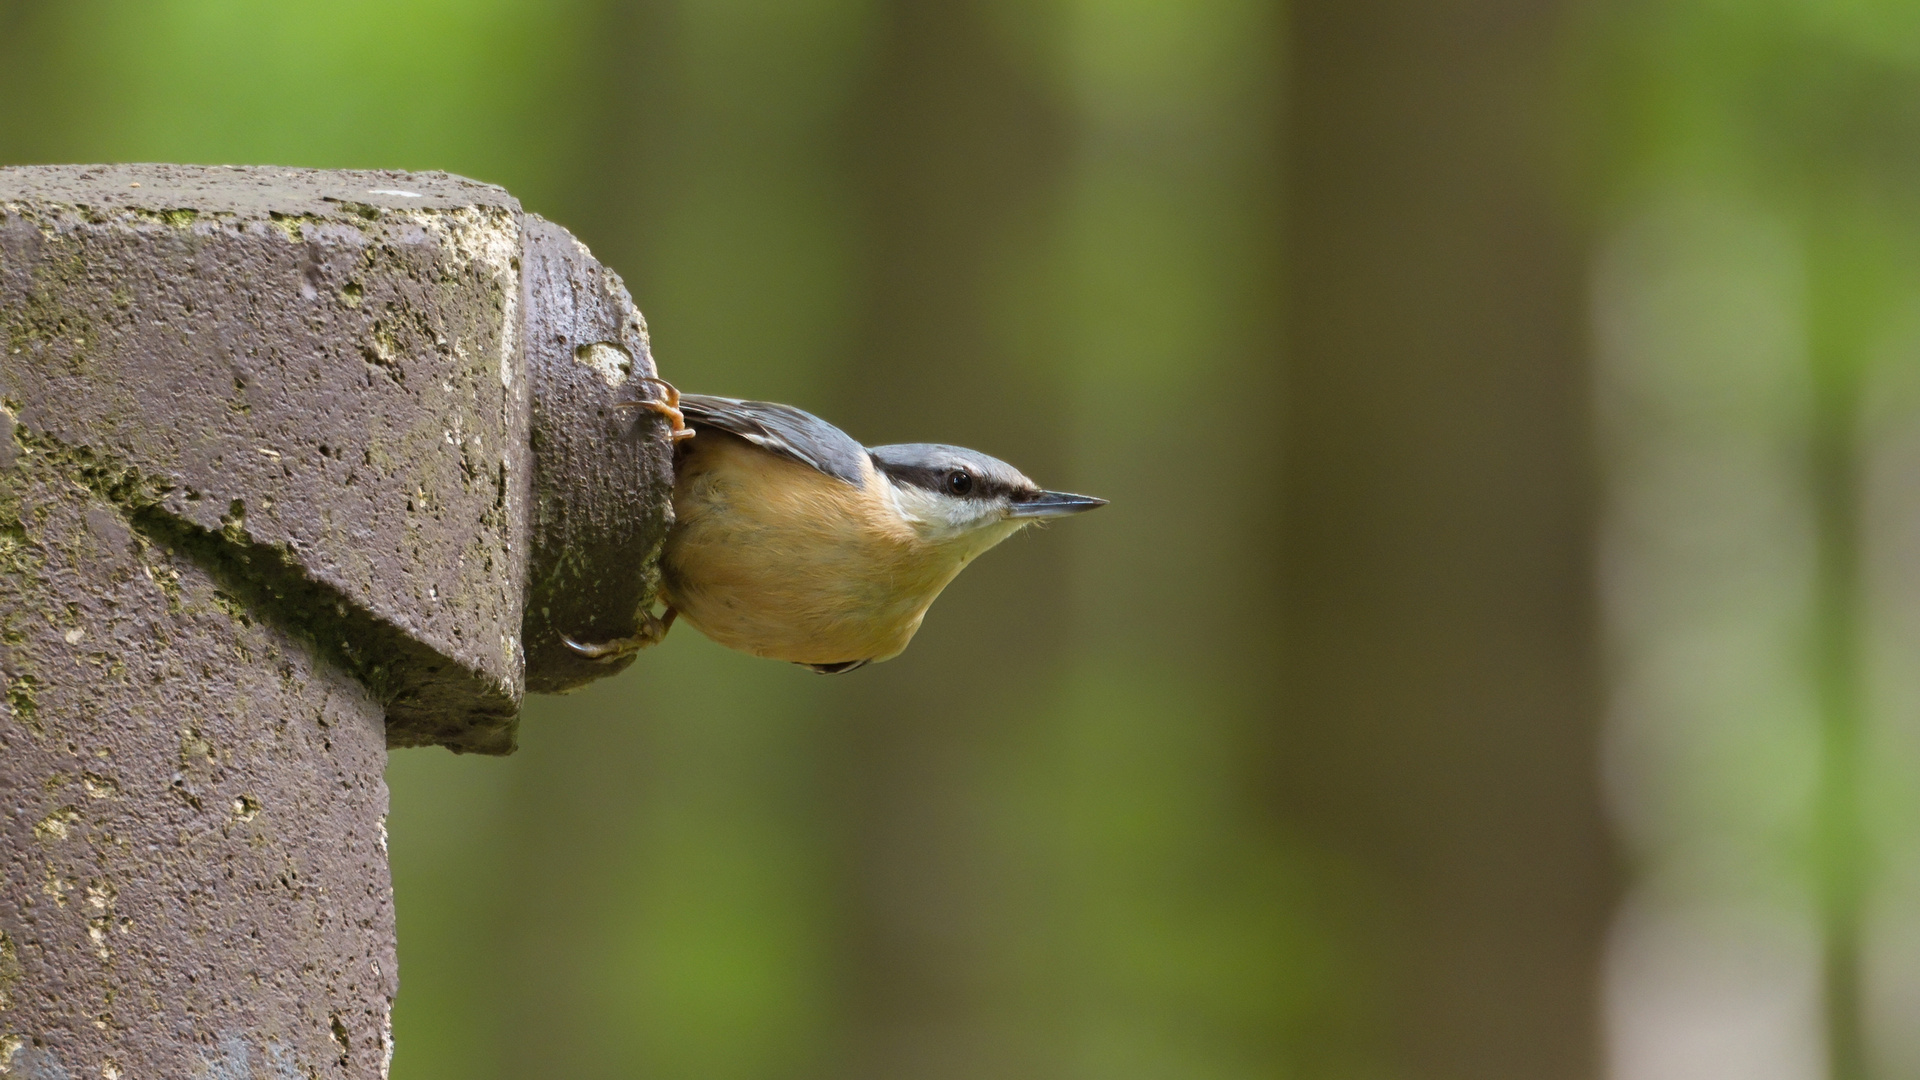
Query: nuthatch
(794, 542)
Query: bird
(792, 541)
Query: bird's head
(962, 499)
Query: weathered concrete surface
(598, 519)
(192, 841)
(265, 481)
(321, 364)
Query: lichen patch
(58, 825)
(612, 363)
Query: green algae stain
(234, 608)
(17, 556)
(293, 225)
(23, 698)
(176, 217)
(41, 321)
(10, 970)
(233, 523)
(195, 748)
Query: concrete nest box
(294, 466)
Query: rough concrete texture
(265, 481)
(192, 844)
(597, 518)
(321, 367)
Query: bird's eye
(959, 481)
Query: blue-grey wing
(781, 429)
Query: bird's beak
(1054, 504)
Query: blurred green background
(1501, 658)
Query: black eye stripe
(929, 478)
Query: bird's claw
(668, 407)
(653, 629)
(606, 650)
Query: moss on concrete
(254, 581)
(24, 701)
(10, 971)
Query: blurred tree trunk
(596, 758)
(954, 150)
(40, 105)
(1442, 700)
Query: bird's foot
(653, 629)
(836, 669)
(668, 406)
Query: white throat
(967, 526)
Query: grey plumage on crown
(781, 429)
(928, 465)
(800, 436)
